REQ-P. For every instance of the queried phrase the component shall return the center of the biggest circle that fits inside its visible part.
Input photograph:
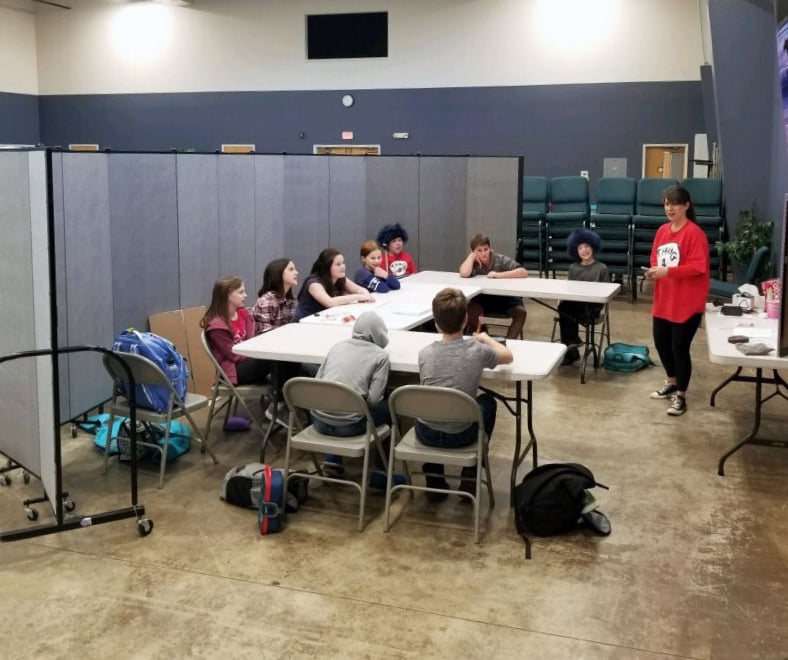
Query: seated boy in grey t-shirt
(458, 363)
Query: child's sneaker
(678, 406)
(665, 392)
(282, 414)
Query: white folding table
(533, 360)
(403, 309)
(721, 351)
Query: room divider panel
(141, 233)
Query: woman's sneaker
(665, 392)
(678, 406)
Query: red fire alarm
(347, 135)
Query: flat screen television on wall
(345, 36)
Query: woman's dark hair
(222, 289)
(321, 269)
(679, 195)
(273, 278)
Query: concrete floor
(696, 566)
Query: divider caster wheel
(31, 513)
(5, 480)
(26, 477)
(73, 430)
(69, 505)
(144, 526)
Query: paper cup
(773, 309)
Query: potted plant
(751, 233)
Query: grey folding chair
(313, 394)
(146, 372)
(235, 395)
(436, 404)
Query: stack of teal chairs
(569, 209)
(530, 233)
(612, 220)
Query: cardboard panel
(202, 369)
(182, 328)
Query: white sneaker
(282, 414)
(678, 406)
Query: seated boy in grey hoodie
(361, 363)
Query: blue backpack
(162, 353)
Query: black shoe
(572, 356)
(437, 483)
(597, 521)
(665, 392)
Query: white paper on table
(752, 332)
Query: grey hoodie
(359, 362)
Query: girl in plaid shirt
(276, 303)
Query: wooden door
(665, 161)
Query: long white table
(721, 351)
(537, 288)
(403, 309)
(310, 343)
(541, 290)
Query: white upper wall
(230, 45)
(18, 65)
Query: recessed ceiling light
(179, 3)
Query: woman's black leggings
(672, 341)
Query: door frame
(339, 149)
(673, 145)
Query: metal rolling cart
(61, 503)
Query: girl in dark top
(327, 286)
(371, 276)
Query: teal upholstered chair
(721, 289)
(530, 234)
(649, 215)
(612, 220)
(569, 209)
(707, 200)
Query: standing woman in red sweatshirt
(680, 271)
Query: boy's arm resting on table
(504, 354)
(508, 274)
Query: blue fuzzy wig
(582, 235)
(390, 232)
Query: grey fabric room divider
(26, 405)
(140, 233)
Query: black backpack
(550, 500)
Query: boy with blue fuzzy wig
(392, 239)
(582, 246)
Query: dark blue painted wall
(19, 122)
(560, 129)
(749, 110)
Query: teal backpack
(626, 358)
